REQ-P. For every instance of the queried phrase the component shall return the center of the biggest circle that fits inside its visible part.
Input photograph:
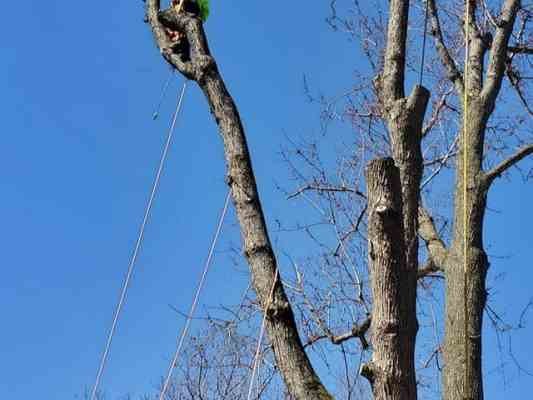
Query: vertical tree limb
(454, 75)
(498, 52)
(302, 381)
(394, 68)
(391, 371)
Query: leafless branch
(520, 50)
(442, 162)
(437, 109)
(357, 331)
(428, 232)
(447, 61)
(318, 188)
(498, 51)
(503, 166)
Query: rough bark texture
(404, 117)
(296, 369)
(465, 281)
(463, 360)
(396, 217)
(391, 372)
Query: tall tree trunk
(302, 381)
(391, 371)
(466, 267)
(404, 117)
(465, 277)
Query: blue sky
(79, 84)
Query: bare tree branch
(515, 80)
(357, 331)
(437, 110)
(447, 61)
(318, 188)
(499, 169)
(498, 52)
(428, 232)
(441, 162)
(520, 50)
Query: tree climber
(199, 8)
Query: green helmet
(203, 5)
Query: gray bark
(391, 371)
(396, 217)
(404, 117)
(467, 263)
(296, 369)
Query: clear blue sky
(79, 82)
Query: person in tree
(198, 8)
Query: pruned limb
(405, 119)
(499, 169)
(454, 75)
(429, 234)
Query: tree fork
(302, 381)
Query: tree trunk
(391, 371)
(465, 277)
(302, 381)
(404, 117)
(466, 268)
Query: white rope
(162, 96)
(196, 298)
(137, 245)
(260, 338)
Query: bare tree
(380, 215)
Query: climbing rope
(164, 90)
(465, 198)
(261, 335)
(140, 237)
(196, 298)
(423, 57)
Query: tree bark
(404, 117)
(391, 371)
(302, 381)
(465, 279)
(467, 265)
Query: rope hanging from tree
(465, 196)
(424, 40)
(261, 335)
(138, 244)
(201, 283)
